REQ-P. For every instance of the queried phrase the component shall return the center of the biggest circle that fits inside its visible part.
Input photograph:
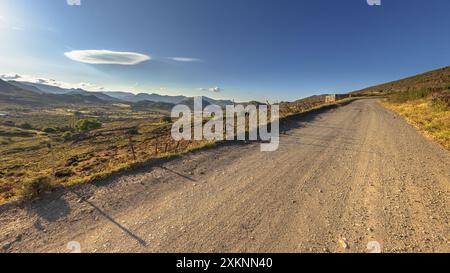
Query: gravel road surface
(342, 178)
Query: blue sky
(241, 49)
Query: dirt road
(341, 178)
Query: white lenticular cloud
(106, 57)
(184, 59)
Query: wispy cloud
(39, 80)
(10, 77)
(213, 89)
(216, 89)
(74, 2)
(107, 57)
(184, 59)
(10, 24)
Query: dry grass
(432, 119)
(92, 159)
(25, 154)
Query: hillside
(423, 100)
(435, 80)
(6, 88)
(26, 86)
(157, 107)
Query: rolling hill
(436, 80)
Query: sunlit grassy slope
(431, 118)
(423, 99)
(427, 111)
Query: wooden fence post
(165, 147)
(50, 147)
(132, 147)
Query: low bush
(440, 105)
(26, 126)
(63, 172)
(410, 95)
(67, 136)
(133, 132)
(89, 124)
(441, 101)
(50, 130)
(35, 187)
(166, 119)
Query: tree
(89, 124)
(75, 118)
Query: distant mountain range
(130, 97)
(13, 94)
(54, 94)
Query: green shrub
(67, 136)
(165, 119)
(6, 141)
(50, 130)
(64, 129)
(26, 126)
(77, 114)
(133, 132)
(35, 187)
(410, 95)
(63, 172)
(89, 124)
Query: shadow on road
(50, 210)
(177, 173)
(128, 232)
